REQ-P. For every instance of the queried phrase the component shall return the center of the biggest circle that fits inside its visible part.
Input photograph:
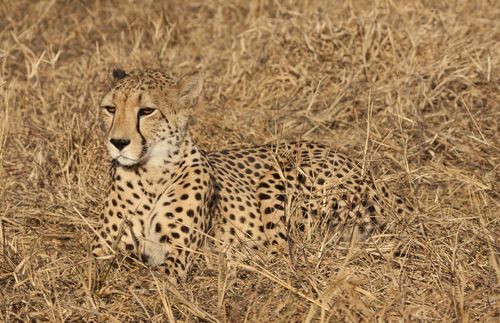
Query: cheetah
(167, 195)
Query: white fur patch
(155, 251)
(161, 151)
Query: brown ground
(411, 88)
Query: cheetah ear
(119, 74)
(189, 87)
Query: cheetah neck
(161, 169)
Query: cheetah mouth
(126, 161)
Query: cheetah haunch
(167, 195)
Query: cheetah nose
(119, 143)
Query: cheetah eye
(110, 109)
(145, 111)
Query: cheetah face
(144, 115)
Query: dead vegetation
(409, 87)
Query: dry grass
(411, 88)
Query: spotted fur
(167, 195)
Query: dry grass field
(411, 88)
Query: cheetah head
(144, 114)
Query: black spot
(197, 196)
(184, 229)
(280, 187)
(264, 185)
(264, 196)
(270, 225)
(268, 210)
(184, 197)
(175, 235)
(119, 74)
(190, 213)
(178, 209)
(301, 178)
(158, 227)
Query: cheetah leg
(169, 247)
(271, 195)
(176, 263)
(356, 209)
(176, 230)
(117, 234)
